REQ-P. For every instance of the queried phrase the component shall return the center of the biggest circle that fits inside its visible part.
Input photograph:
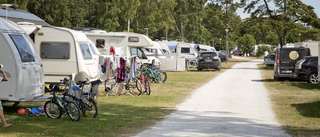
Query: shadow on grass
(113, 119)
(263, 80)
(311, 109)
(302, 132)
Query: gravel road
(234, 104)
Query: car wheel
(276, 78)
(219, 67)
(313, 78)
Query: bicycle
(157, 76)
(144, 80)
(85, 100)
(57, 105)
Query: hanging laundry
(121, 71)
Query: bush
(263, 48)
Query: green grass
(296, 104)
(117, 115)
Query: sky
(314, 3)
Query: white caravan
(127, 44)
(22, 65)
(63, 52)
(312, 45)
(157, 51)
(205, 47)
(186, 50)
(165, 49)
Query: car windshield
(146, 52)
(271, 56)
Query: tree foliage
(197, 21)
(286, 15)
(246, 42)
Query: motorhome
(127, 44)
(63, 52)
(22, 65)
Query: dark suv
(209, 59)
(306, 69)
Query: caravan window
(185, 50)
(137, 52)
(92, 49)
(55, 50)
(23, 47)
(100, 43)
(85, 51)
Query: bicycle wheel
(135, 86)
(147, 87)
(161, 76)
(73, 111)
(138, 85)
(141, 79)
(52, 109)
(90, 110)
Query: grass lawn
(296, 104)
(117, 115)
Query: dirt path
(233, 104)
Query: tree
(246, 42)
(286, 15)
(261, 29)
(262, 49)
(128, 12)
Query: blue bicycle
(156, 76)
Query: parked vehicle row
(294, 63)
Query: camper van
(63, 52)
(126, 44)
(285, 60)
(22, 64)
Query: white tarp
(173, 64)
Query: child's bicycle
(85, 100)
(57, 105)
